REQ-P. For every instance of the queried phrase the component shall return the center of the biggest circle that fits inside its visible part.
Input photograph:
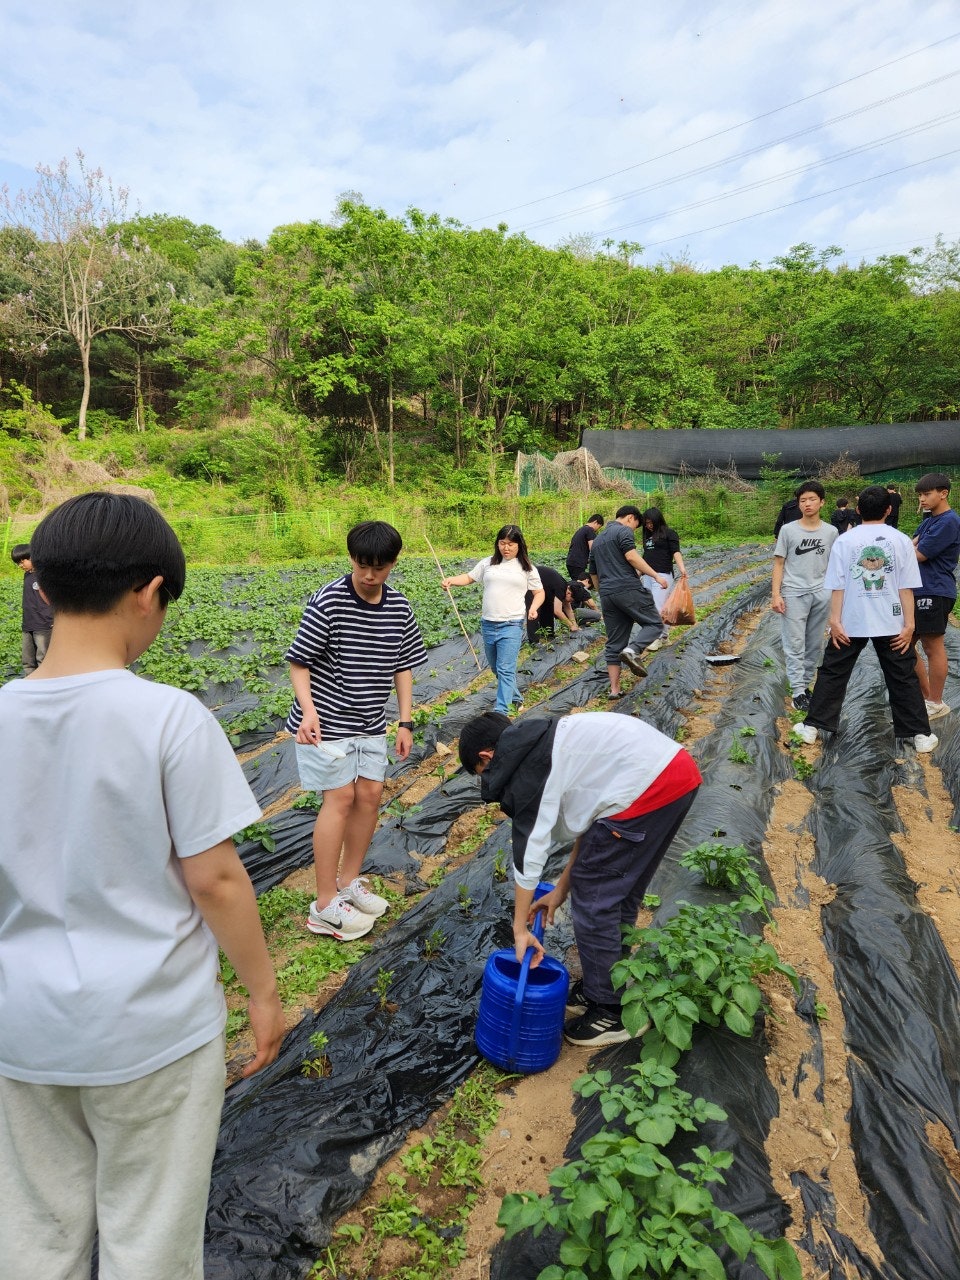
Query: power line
(790, 204)
(791, 173)
(719, 134)
(740, 155)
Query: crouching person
(615, 786)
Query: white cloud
(248, 115)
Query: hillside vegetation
(317, 356)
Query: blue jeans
(501, 644)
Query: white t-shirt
(107, 972)
(504, 587)
(871, 564)
(599, 764)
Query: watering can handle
(514, 1047)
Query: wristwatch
(404, 724)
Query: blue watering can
(520, 1021)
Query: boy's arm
(777, 604)
(838, 636)
(403, 683)
(309, 730)
(634, 558)
(220, 887)
(565, 613)
(902, 642)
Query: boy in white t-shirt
(871, 575)
(117, 872)
(799, 568)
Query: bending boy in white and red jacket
(615, 786)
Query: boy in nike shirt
(799, 568)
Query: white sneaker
(657, 644)
(364, 899)
(925, 741)
(936, 709)
(629, 656)
(339, 920)
(806, 733)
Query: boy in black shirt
(37, 614)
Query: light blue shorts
(365, 756)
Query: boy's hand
(902, 642)
(268, 1025)
(523, 938)
(404, 743)
(549, 902)
(308, 731)
(838, 637)
(778, 604)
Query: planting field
(379, 1145)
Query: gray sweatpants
(132, 1159)
(803, 630)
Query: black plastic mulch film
(295, 1154)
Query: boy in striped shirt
(357, 640)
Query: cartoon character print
(871, 568)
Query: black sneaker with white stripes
(598, 1026)
(577, 1002)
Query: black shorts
(930, 614)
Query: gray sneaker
(629, 656)
(936, 709)
(807, 733)
(339, 919)
(364, 899)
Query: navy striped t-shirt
(353, 650)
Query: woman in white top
(507, 576)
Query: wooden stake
(453, 602)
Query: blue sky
(721, 131)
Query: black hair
(578, 593)
(94, 548)
(873, 502)
(933, 480)
(512, 533)
(812, 486)
(595, 519)
(629, 510)
(482, 733)
(842, 502)
(374, 543)
(655, 516)
(20, 552)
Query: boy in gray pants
(800, 561)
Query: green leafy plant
(464, 901)
(382, 986)
(309, 800)
(739, 754)
(651, 901)
(433, 943)
(747, 731)
(319, 1065)
(499, 866)
(698, 967)
(259, 831)
(723, 866)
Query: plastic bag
(677, 609)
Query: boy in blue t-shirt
(937, 543)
